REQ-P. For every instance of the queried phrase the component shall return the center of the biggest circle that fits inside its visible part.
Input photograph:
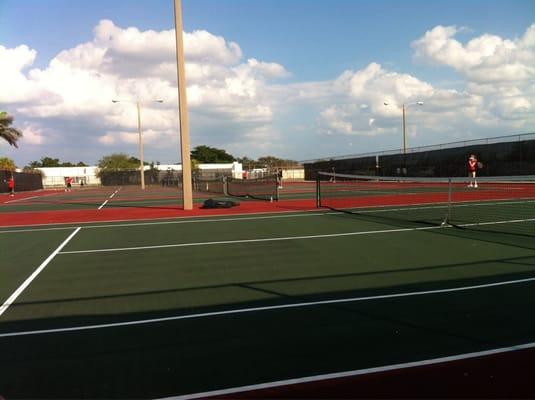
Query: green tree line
(121, 161)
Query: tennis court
(268, 295)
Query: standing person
(279, 178)
(472, 171)
(69, 184)
(333, 177)
(11, 185)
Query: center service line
(111, 197)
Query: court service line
(266, 308)
(41, 267)
(286, 238)
(240, 241)
(347, 374)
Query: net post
(447, 218)
(225, 186)
(318, 191)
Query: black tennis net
(489, 203)
(265, 188)
(257, 189)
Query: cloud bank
(247, 106)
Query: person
(69, 184)
(82, 183)
(472, 171)
(333, 176)
(11, 185)
(279, 178)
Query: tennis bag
(211, 203)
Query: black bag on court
(211, 203)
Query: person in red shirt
(69, 184)
(11, 185)
(472, 171)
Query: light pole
(419, 103)
(141, 163)
(187, 193)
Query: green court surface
(177, 307)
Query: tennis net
(265, 188)
(214, 186)
(495, 203)
(258, 189)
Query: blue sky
(309, 45)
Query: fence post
(318, 193)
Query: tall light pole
(141, 163)
(187, 193)
(419, 103)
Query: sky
(295, 79)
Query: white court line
(26, 198)
(185, 221)
(33, 197)
(21, 288)
(111, 197)
(346, 374)
(195, 219)
(103, 204)
(286, 238)
(266, 308)
(239, 241)
(178, 220)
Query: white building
(55, 176)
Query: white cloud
(246, 106)
(15, 87)
(126, 63)
(107, 139)
(33, 135)
(486, 59)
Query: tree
(136, 161)
(274, 162)
(7, 132)
(206, 154)
(117, 162)
(194, 164)
(48, 162)
(7, 163)
(247, 162)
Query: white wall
(55, 176)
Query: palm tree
(7, 132)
